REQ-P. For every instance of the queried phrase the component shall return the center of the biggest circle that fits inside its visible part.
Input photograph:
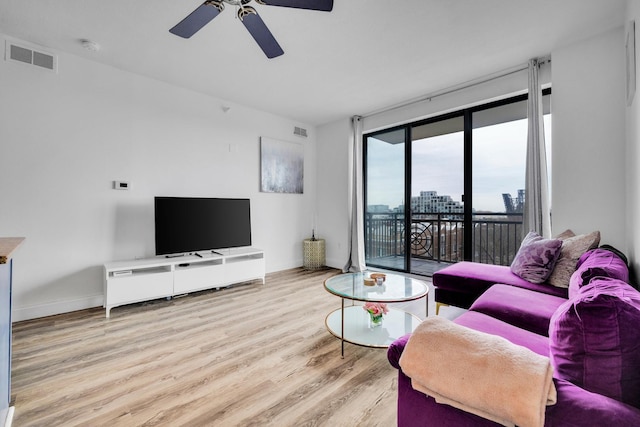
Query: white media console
(127, 282)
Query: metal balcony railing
(440, 236)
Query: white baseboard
(9, 419)
(58, 307)
(285, 266)
(336, 263)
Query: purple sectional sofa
(462, 283)
(590, 332)
(544, 265)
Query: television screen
(190, 224)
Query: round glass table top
(395, 288)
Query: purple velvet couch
(590, 333)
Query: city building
(430, 201)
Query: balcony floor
(419, 266)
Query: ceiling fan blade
(323, 5)
(197, 19)
(257, 28)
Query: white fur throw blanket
(479, 373)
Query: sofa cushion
(483, 323)
(577, 407)
(572, 249)
(416, 409)
(475, 278)
(594, 340)
(597, 263)
(536, 258)
(520, 307)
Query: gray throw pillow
(572, 249)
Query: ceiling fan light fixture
(249, 17)
(215, 3)
(246, 10)
(239, 3)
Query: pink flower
(375, 308)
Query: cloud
(498, 166)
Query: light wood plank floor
(249, 355)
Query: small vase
(375, 320)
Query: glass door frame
(406, 193)
(467, 197)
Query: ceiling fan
(249, 17)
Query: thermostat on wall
(120, 185)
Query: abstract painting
(281, 166)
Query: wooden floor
(250, 355)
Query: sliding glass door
(385, 206)
(428, 172)
(437, 187)
(499, 152)
(448, 189)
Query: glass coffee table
(351, 323)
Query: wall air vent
(300, 131)
(14, 52)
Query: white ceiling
(361, 57)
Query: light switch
(121, 185)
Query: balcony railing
(440, 236)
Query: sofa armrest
(395, 350)
(578, 407)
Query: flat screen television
(191, 224)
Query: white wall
(333, 196)
(588, 151)
(65, 137)
(633, 156)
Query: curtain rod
(462, 86)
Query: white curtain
(537, 215)
(356, 260)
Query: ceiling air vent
(29, 56)
(300, 131)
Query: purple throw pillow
(597, 263)
(594, 340)
(536, 258)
